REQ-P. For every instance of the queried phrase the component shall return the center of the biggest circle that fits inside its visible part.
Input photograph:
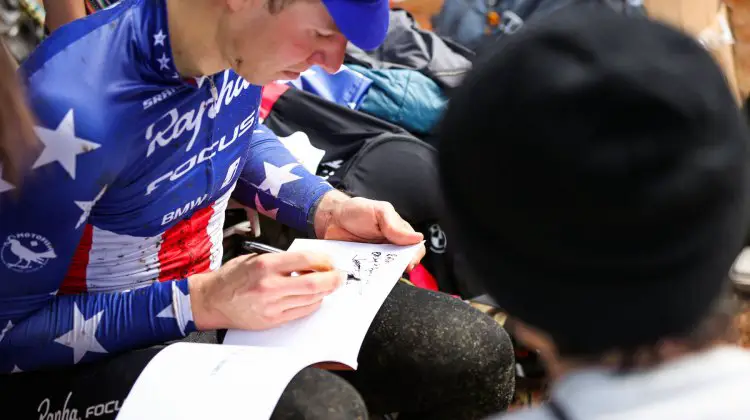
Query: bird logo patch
(26, 252)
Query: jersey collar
(157, 47)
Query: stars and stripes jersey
(126, 198)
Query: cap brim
(363, 22)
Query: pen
(263, 248)
(259, 247)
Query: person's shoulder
(77, 74)
(81, 42)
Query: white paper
(335, 332)
(245, 377)
(207, 381)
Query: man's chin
(290, 75)
(255, 79)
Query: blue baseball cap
(363, 22)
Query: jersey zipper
(214, 91)
(209, 176)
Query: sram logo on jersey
(203, 155)
(148, 103)
(187, 208)
(173, 125)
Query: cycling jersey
(127, 197)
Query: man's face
(263, 47)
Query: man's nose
(330, 56)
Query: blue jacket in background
(403, 97)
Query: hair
(17, 138)
(718, 326)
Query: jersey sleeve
(41, 224)
(275, 184)
(73, 329)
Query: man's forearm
(61, 12)
(274, 183)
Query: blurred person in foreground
(62, 12)
(619, 192)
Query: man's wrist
(325, 210)
(203, 316)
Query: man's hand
(343, 218)
(256, 292)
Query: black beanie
(594, 168)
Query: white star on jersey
(179, 310)
(159, 38)
(86, 206)
(4, 185)
(62, 145)
(276, 177)
(82, 338)
(5, 330)
(260, 209)
(16, 369)
(163, 62)
(298, 143)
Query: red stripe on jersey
(75, 279)
(186, 247)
